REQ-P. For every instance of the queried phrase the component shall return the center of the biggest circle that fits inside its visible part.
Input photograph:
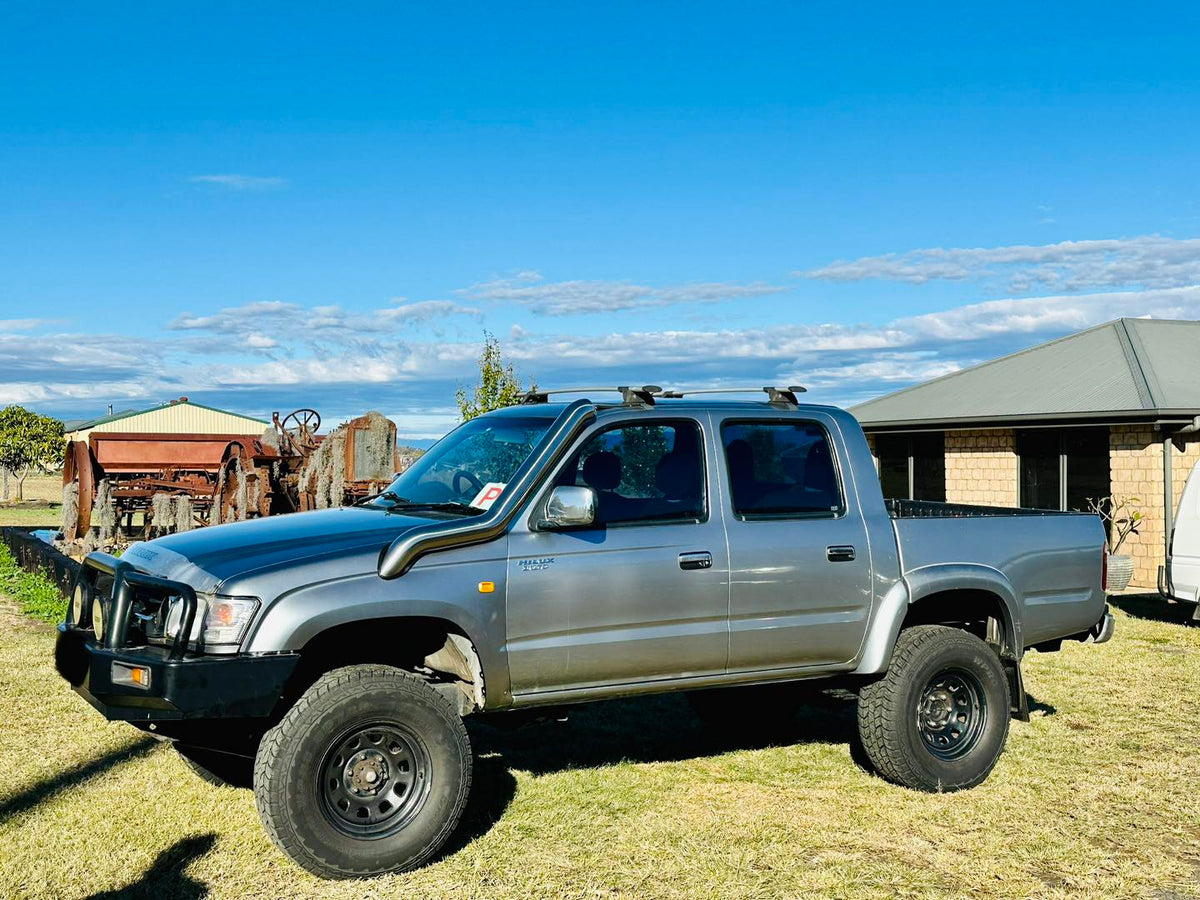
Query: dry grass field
(43, 488)
(1096, 797)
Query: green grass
(45, 488)
(1095, 797)
(35, 593)
(31, 517)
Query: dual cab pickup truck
(554, 553)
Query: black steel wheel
(374, 780)
(367, 773)
(951, 713)
(938, 720)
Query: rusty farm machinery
(118, 485)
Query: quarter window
(781, 469)
(642, 473)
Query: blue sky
(302, 205)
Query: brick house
(1114, 410)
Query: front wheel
(368, 773)
(938, 720)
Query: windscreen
(472, 465)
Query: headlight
(220, 622)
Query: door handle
(699, 559)
(839, 553)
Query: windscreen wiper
(386, 495)
(399, 502)
(441, 506)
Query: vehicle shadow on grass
(1154, 608)
(492, 790)
(166, 877)
(657, 729)
(44, 790)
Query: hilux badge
(536, 564)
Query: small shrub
(36, 593)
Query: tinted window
(892, 452)
(1088, 475)
(1082, 454)
(642, 473)
(1040, 483)
(927, 454)
(929, 466)
(778, 469)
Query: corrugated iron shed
(1125, 370)
(180, 416)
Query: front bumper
(192, 686)
(181, 684)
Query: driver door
(643, 593)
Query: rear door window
(781, 469)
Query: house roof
(1128, 369)
(81, 425)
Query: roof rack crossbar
(779, 396)
(631, 396)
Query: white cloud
(1150, 262)
(228, 356)
(564, 298)
(425, 310)
(22, 324)
(237, 182)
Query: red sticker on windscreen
(489, 494)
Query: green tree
(27, 442)
(498, 385)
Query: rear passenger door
(800, 570)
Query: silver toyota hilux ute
(554, 553)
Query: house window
(1063, 468)
(912, 466)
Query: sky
(266, 206)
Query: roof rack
(630, 396)
(776, 396)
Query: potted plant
(1121, 517)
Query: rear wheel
(368, 773)
(938, 720)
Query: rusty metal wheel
(79, 467)
(243, 489)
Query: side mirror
(570, 507)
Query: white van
(1179, 579)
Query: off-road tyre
(220, 769)
(934, 670)
(299, 769)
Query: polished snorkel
(411, 546)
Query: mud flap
(1016, 690)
